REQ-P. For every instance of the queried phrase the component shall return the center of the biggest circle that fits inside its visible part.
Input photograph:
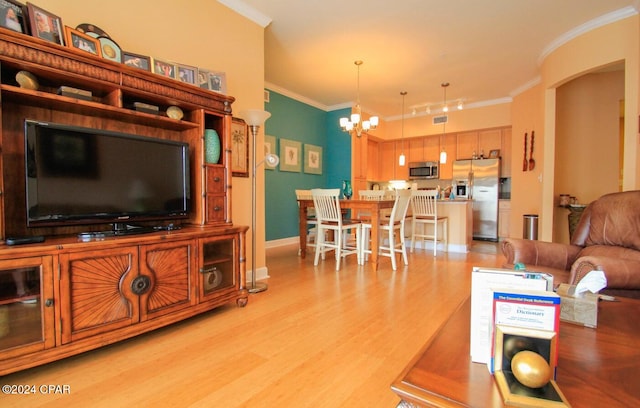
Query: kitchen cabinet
(416, 150)
(373, 171)
(448, 143)
(489, 140)
(467, 145)
(504, 213)
(388, 161)
(432, 148)
(505, 153)
(359, 162)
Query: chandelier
(443, 153)
(402, 158)
(355, 123)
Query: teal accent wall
(294, 120)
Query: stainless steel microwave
(423, 170)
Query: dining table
(373, 208)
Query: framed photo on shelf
(269, 148)
(239, 148)
(136, 60)
(218, 82)
(81, 41)
(12, 16)
(290, 153)
(312, 159)
(45, 25)
(186, 73)
(164, 68)
(203, 78)
(494, 154)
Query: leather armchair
(606, 238)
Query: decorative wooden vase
(211, 146)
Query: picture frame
(12, 16)
(494, 154)
(290, 153)
(203, 78)
(164, 68)
(80, 41)
(239, 148)
(136, 60)
(312, 159)
(218, 82)
(110, 49)
(186, 74)
(269, 148)
(45, 25)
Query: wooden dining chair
(393, 227)
(376, 195)
(329, 218)
(312, 221)
(424, 211)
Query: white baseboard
(427, 245)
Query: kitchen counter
(460, 229)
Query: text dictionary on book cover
(483, 281)
(536, 310)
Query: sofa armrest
(620, 273)
(540, 253)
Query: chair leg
(435, 237)
(319, 246)
(338, 236)
(413, 235)
(392, 249)
(402, 246)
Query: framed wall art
(269, 148)
(312, 159)
(203, 78)
(290, 153)
(12, 16)
(239, 148)
(80, 41)
(45, 25)
(136, 60)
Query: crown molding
(247, 11)
(598, 22)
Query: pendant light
(443, 154)
(402, 158)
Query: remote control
(25, 240)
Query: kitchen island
(460, 225)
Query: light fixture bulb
(460, 105)
(443, 157)
(445, 108)
(401, 160)
(355, 122)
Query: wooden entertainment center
(87, 294)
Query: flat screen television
(82, 176)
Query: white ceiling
(488, 50)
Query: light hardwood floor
(315, 338)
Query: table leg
(302, 249)
(375, 224)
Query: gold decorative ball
(531, 369)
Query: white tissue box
(580, 309)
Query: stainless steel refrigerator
(482, 177)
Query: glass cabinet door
(218, 269)
(26, 312)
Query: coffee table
(596, 367)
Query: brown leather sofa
(606, 238)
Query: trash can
(530, 226)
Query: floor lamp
(254, 119)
